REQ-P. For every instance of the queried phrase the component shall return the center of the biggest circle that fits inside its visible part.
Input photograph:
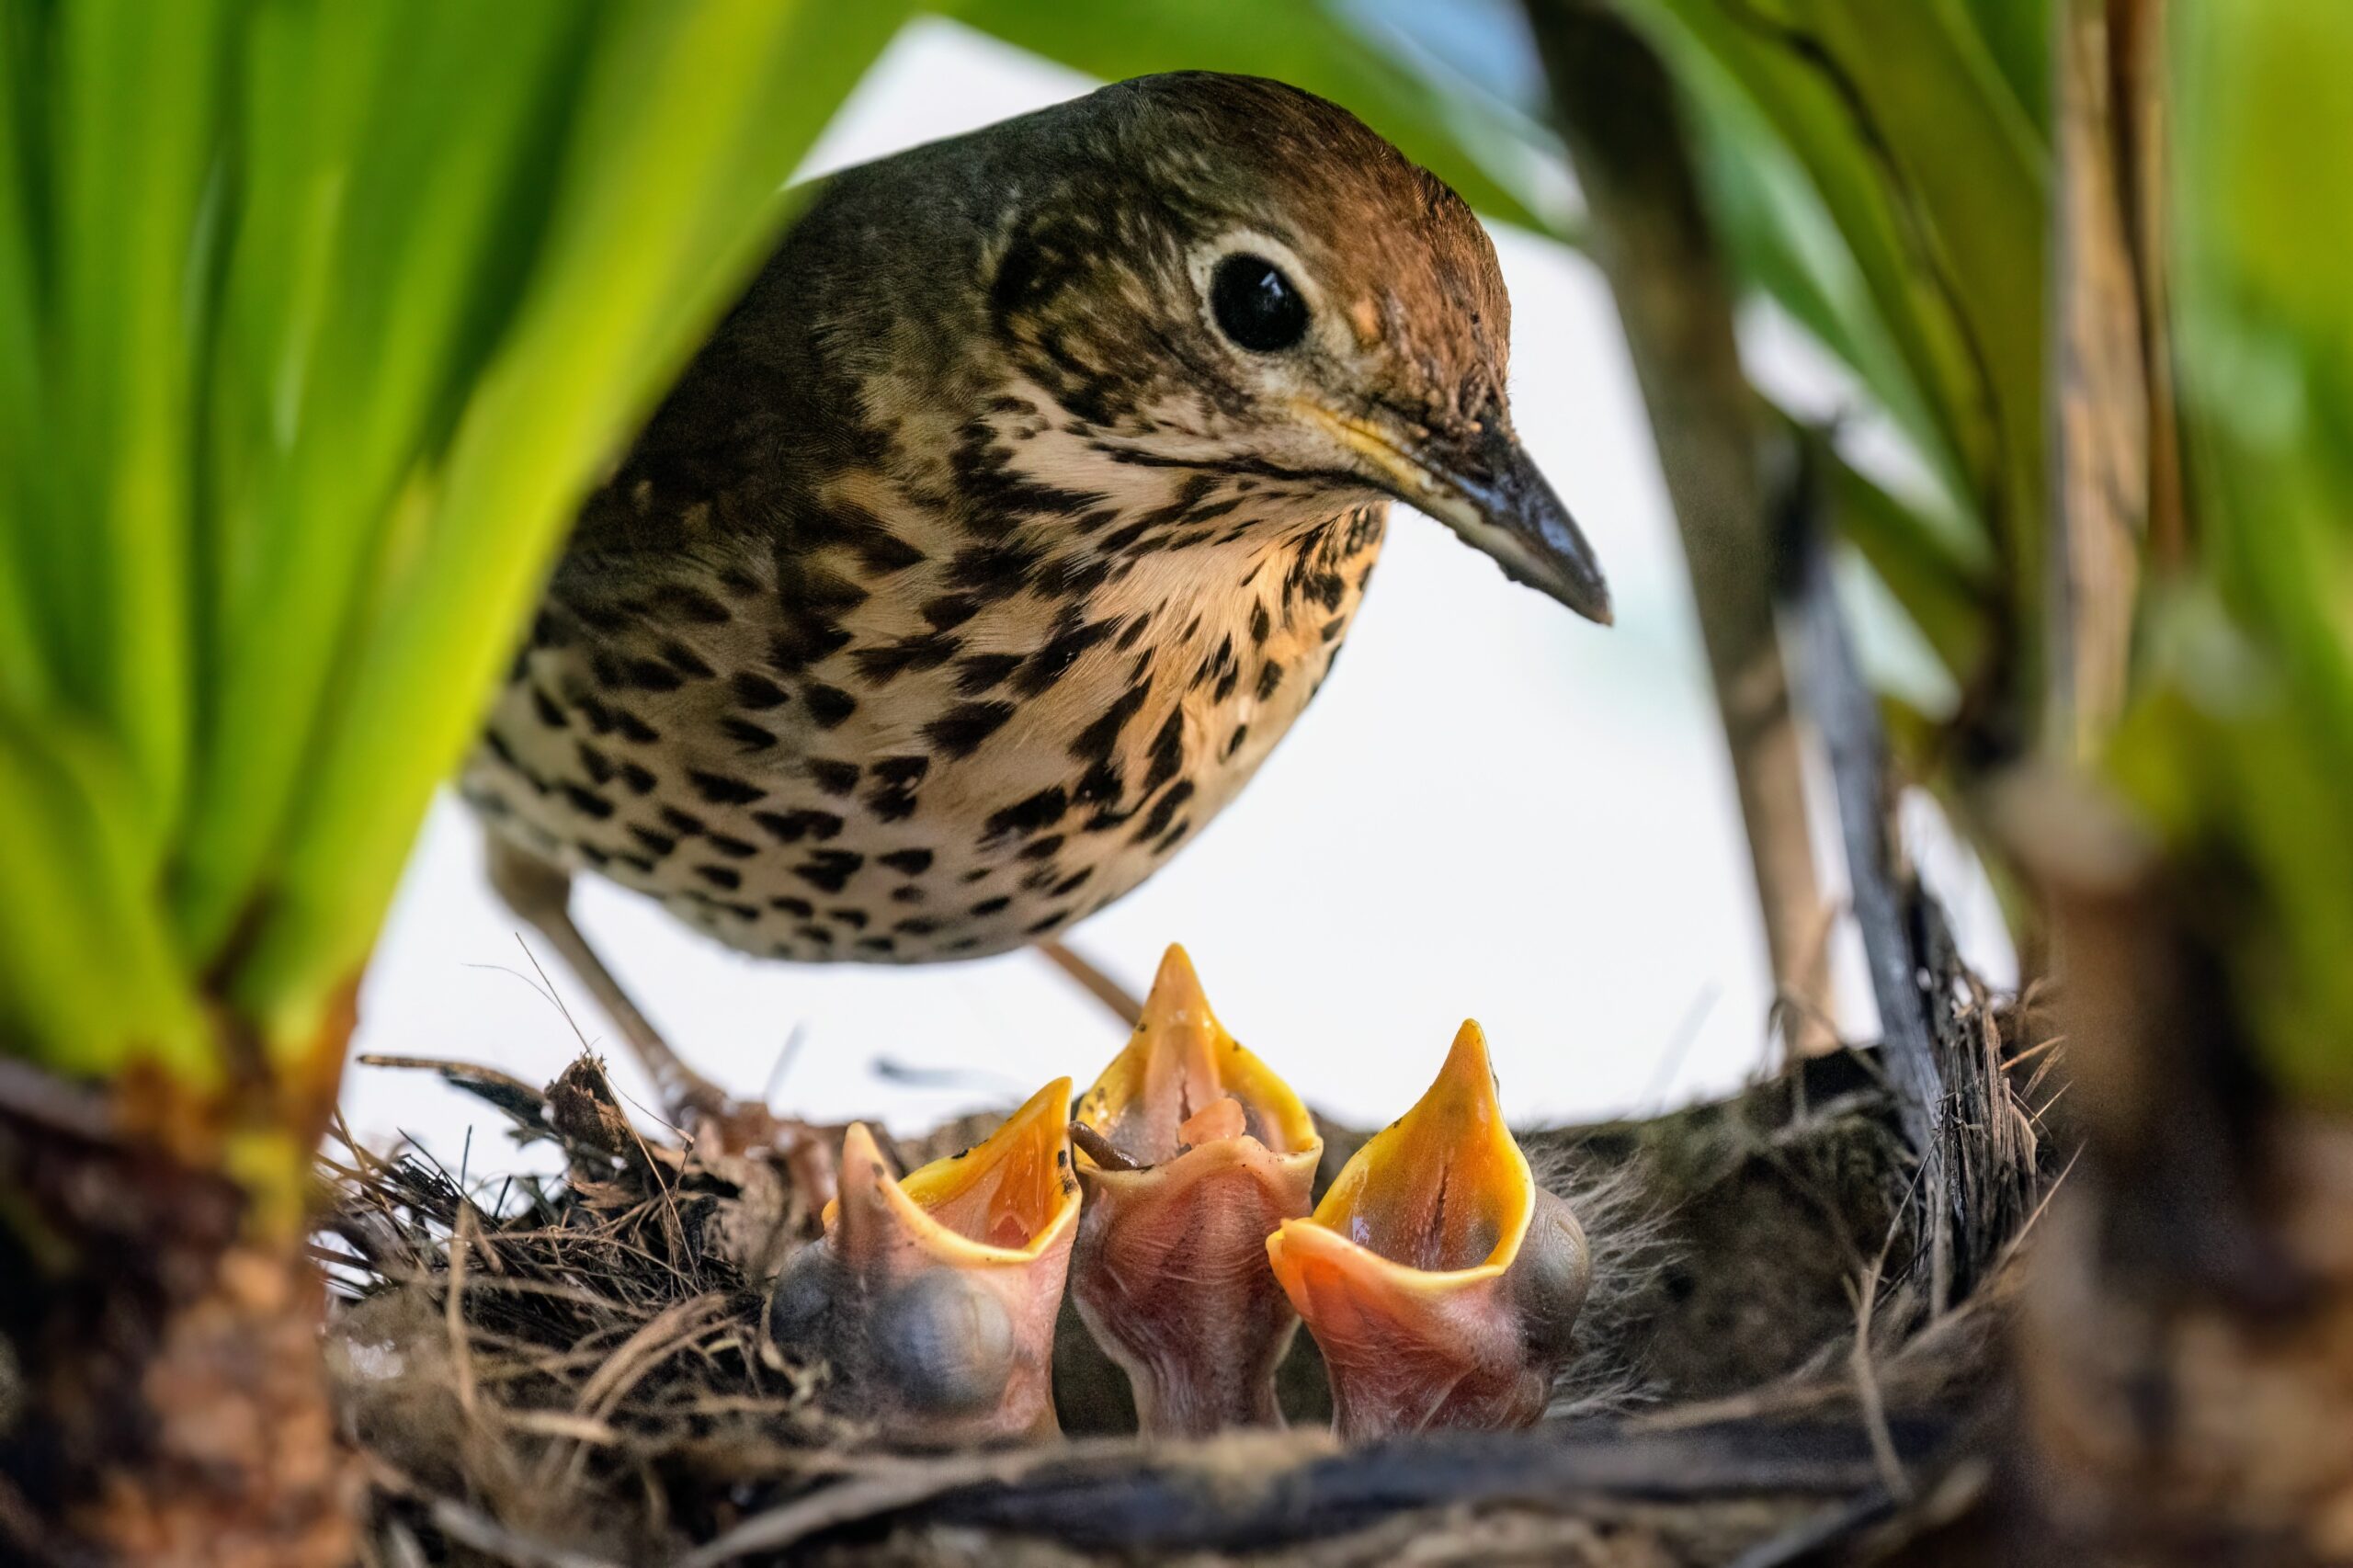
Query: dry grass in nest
(574, 1372)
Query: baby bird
(932, 1297)
(1441, 1282)
(1011, 516)
(1190, 1151)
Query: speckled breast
(916, 749)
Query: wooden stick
(1097, 983)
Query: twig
(32, 1094)
(1859, 1361)
(525, 1102)
(453, 1309)
(1094, 982)
(1804, 1541)
(849, 1501)
(674, 1229)
(790, 1052)
(675, 1326)
(1882, 897)
(1093, 1493)
(1617, 109)
(2031, 1051)
(490, 1538)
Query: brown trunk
(2100, 421)
(2185, 1355)
(1616, 107)
(171, 1407)
(2186, 1351)
(2198, 1421)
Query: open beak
(1191, 1152)
(1482, 484)
(1440, 1279)
(934, 1296)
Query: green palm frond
(2243, 738)
(1877, 172)
(315, 322)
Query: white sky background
(1493, 811)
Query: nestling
(1190, 1151)
(932, 1297)
(1002, 528)
(1441, 1282)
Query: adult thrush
(1002, 527)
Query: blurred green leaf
(2017, 37)
(1915, 151)
(1785, 243)
(25, 665)
(1949, 595)
(637, 259)
(1462, 137)
(134, 111)
(89, 979)
(368, 258)
(1877, 174)
(315, 322)
(2249, 772)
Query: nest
(1786, 1353)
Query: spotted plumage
(998, 534)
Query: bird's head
(1229, 276)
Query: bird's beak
(1440, 1279)
(1482, 484)
(934, 1296)
(1192, 1152)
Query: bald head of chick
(931, 1298)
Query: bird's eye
(1256, 304)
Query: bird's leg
(540, 893)
(1093, 980)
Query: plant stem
(1616, 107)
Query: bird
(996, 535)
(932, 1297)
(1441, 1282)
(1190, 1151)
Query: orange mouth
(1183, 1083)
(1003, 1202)
(1441, 1196)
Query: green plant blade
(2243, 742)
(89, 979)
(638, 257)
(137, 95)
(1912, 247)
(360, 284)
